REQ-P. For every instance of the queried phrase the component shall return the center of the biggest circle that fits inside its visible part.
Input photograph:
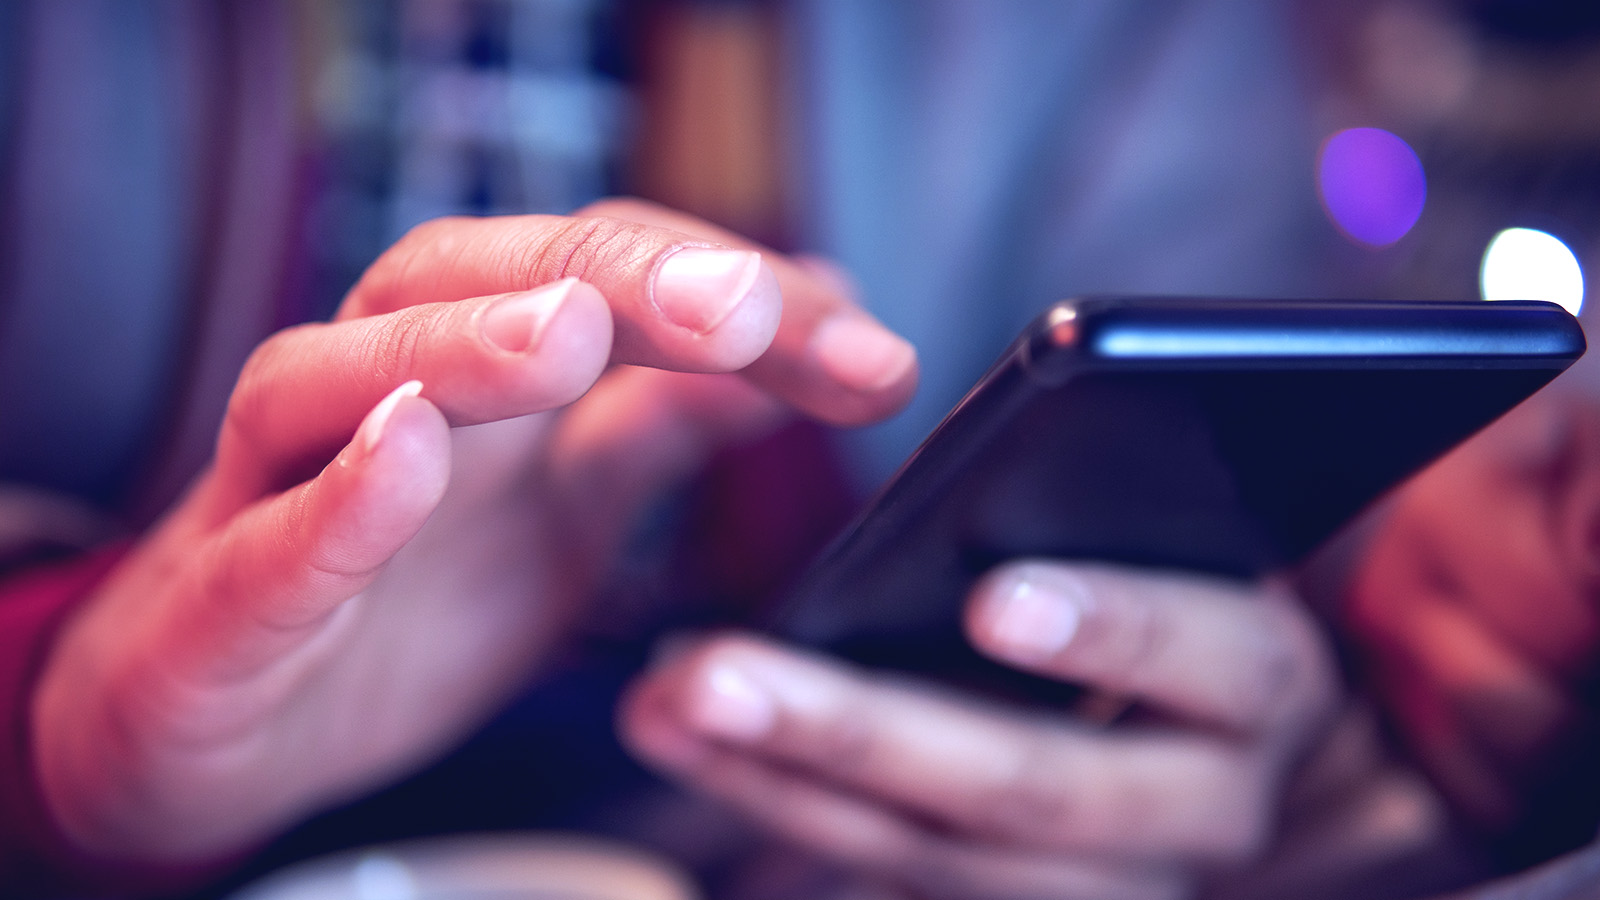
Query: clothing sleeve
(35, 859)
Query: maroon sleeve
(34, 859)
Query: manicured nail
(371, 430)
(515, 322)
(1031, 622)
(699, 287)
(728, 706)
(861, 354)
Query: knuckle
(244, 417)
(1292, 676)
(437, 238)
(258, 366)
(1270, 679)
(841, 744)
(1136, 634)
(422, 248)
(1034, 802)
(583, 248)
(1121, 632)
(392, 351)
(1151, 635)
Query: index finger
(991, 773)
(684, 296)
(677, 301)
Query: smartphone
(1221, 436)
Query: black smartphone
(1223, 436)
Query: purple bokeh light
(1371, 184)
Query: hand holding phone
(1217, 437)
(1220, 436)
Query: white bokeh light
(379, 876)
(1525, 264)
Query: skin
(944, 796)
(1480, 630)
(371, 566)
(356, 582)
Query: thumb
(278, 570)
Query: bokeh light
(380, 876)
(1527, 264)
(1371, 184)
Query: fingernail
(372, 427)
(699, 287)
(861, 354)
(515, 322)
(1031, 622)
(729, 706)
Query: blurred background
(967, 162)
(969, 157)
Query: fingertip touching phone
(1222, 436)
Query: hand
(1476, 604)
(950, 796)
(371, 565)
